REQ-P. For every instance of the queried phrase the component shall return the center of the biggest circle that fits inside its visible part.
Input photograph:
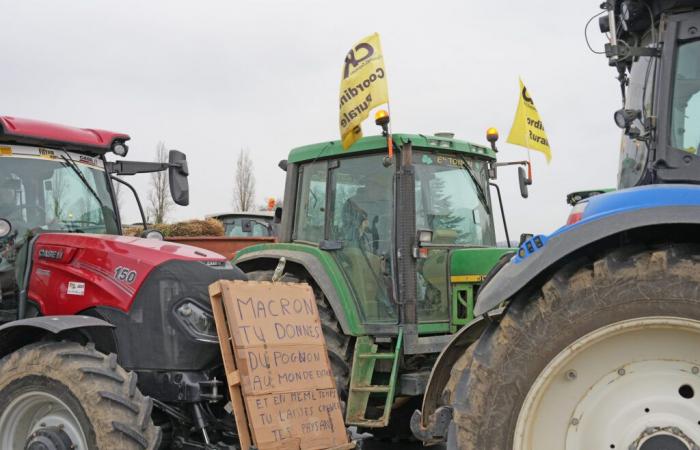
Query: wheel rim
(632, 385)
(32, 412)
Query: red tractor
(107, 341)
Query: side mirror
(178, 172)
(523, 180)
(278, 215)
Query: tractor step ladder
(361, 386)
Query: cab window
(309, 218)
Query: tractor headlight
(196, 320)
(120, 148)
(5, 228)
(152, 234)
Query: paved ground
(369, 445)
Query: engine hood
(73, 272)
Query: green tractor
(395, 249)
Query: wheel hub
(669, 438)
(38, 420)
(51, 438)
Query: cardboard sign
(279, 363)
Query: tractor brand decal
(76, 288)
(46, 253)
(88, 160)
(449, 161)
(46, 153)
(125, 274)
(21, 151)
(214, 263)
(467, 278)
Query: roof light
(381, 117)
(120, 148)
(492, 134)
(492, 137)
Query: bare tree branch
(159, 199)
(244, 183)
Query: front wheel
(64, 396)
(605, 356)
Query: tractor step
(376, 355)
(377, 389)
(372, 423)
(361, 382)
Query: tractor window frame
(300, 202)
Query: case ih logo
(45, 253)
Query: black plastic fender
(314, 268)
(430, 423)
(19, 333)
(515, 276)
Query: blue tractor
(589, 338)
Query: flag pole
(390, 140)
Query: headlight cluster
(196, 320)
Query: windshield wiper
(69, 161)
(479, 190)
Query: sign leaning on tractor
(596, 328)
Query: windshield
(41, 189)
(449, 203)
(248, 227)
(685, 115)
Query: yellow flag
(527, 129)
(362, 87)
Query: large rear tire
(604, 356)
(62, 395)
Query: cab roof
(35, 132)
(371, 144)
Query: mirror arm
(136, 195)
(134, 167)
(503, 213)
(519, 163)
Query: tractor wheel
(604, 356)
(65, 396)
(339, 345)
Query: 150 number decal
(125, 274)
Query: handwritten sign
(281, 364)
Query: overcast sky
(213, 77)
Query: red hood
(110, 268)
(151, 250)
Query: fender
(19, 333)
(430, 423)
(606, 215)
(314, 267)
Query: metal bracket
(436, 430)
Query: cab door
(361, 217)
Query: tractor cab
(656, 51)
(395, 234)
(56, 179)
(348, 204)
